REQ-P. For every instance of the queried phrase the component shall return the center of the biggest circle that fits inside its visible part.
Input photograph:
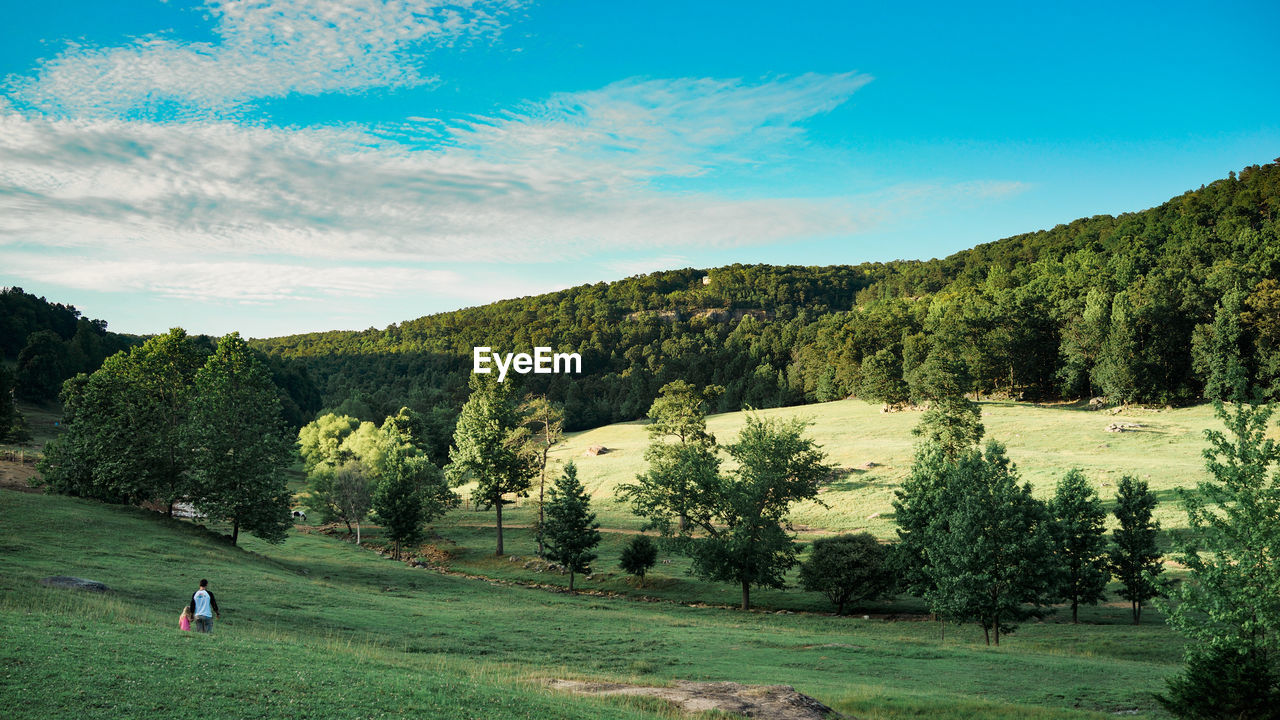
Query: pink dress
(184, 622)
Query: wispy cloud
(264, 49)
(556, 180)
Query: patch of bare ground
(767, 702)
(16, 476)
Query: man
(204, 608)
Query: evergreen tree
(488, 450)
(952, 422)
(1230, 605)
(848, 568)
(638, 557)
(1079, 533)
(240, 446)
(1119, 370)
(1135, 558)
(571, 528)
(398, 501)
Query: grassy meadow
(317, 627)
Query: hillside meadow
(317, 627)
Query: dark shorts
(204, 624)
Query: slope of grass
(319, 628)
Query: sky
(286, 166)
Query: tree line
(172, 421)
(1138, 308)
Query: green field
(318, 627)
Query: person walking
(204, 607)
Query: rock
(873, 516)
(868, 465)
(596, 450)
(1097, 402)
(764, 702)
(513, 558)
(1117, 427)
(74, 583)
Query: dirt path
(766, 702)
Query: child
(184, 620)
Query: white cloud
(540, 185)
(265, 49)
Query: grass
(319, 628)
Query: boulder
(74, 583)
(596, 450)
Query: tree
(952, 422)
(240, 446)
(320, 441)
(882, 378)
(398, 502)
(8, 410)
(848, 568)
(638, 557)
(681, 456)
(125, 438)
(42, 365)
(344, 493)
(487, 449)
(543, 423)
(1221, 354)
(1230, 603)
(571, 529)
(1135, 557)
(983, 542)
(744, 536)
(1079, 534)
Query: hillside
(317, 628)
(1132, 307)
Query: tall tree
(986, 548)
(1135, 557)
(125, 423)
(952, 422)
(743, 532)
(487, 448)
(1231, 599)
(1079, 534)
(241, 447)
(681, 456)
(572, 531)
(543, 423)
(1221, 352)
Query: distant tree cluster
(1167, 305)
(355, 467)
(170, 421)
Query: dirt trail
(766, 702)
(14, 476)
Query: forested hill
(1144, 307)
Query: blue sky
(281, 166)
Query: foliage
(125, 439)
(1224, 683)
(1079, 535)
(638, 557)
(571, 528)
(1231, 601)
(848, 568)
(1135, 557)
(981, 542)
(542, 425)
(487, 448)
(240, 445)
(342, 494)
(742, 518)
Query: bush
(639, 556)
(1223, 683)
(848, 568)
